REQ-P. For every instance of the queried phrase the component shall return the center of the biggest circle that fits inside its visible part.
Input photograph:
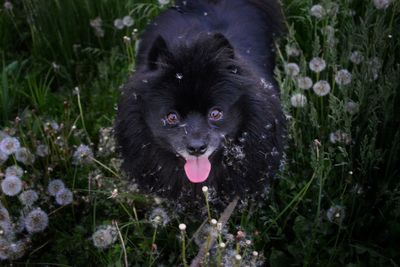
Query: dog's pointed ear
(158, 54)
(223, 43)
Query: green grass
(333, 204)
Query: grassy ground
(335, 203)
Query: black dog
(202, 107)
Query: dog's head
(190, 112)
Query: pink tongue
(197, 169)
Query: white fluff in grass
(343, 77)
(317, 64)
(82, 155)
(36, 221)
(321, 88)
(104, 238)
(119, 24)
(298, 100)
(292, 69)
(356, 57)
(24, 156)
(317, 11)
(159, 217)
(14, 170)
(382, 4)
(28, 197)
(55, 186)
(11, 185)
(9, 145)
(304, 83)
(128, 21)
(64, 197)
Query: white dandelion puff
(304, 83)
(343, 77)
(14, 170)
(356, 57)
(8, 6)
(55, 186)
(382, 4)
(42, 150)
(340, 137)
(292, 69)
(119, 24)
(336, 214)
(64, 197)
(28, 197)
(298, 100)
(36, 221)
(317, 64)
(159, 217)
(4, 215)
(9, 145)
(317, 11)
(103, 238)
(24, 156)
(163, 2)
(351, 107)
(292, 50)
(321, 88)
(82, 155)
(11, 185)
(128, 21)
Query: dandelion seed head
(339, 137)
(14, 170)
(304, 83)
(163, 2)
(24, 156)
(36, 221)
(4, 215)
(8, 6)
(103, 238)
(9, 145)
(321, 88)
(317, 64)
(292, 50)
(343, 77)
(64, 197)
(336, 214)
(298, 100)
(356, 57)
(82, 155)
(159, 217)
(382, 4)
(292, 69)
(204, 189)
(28, 197)
(3, 157)
(96, 23)
(42, 150)
(128, 21)
(119, 24)
(55, 186)
(11, 185)
(317, 11)
(351, 107)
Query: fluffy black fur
(194, 56)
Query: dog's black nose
(196, 147)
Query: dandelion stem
(122, 244)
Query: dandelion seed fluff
(304, 83)
(55, 186)
(4, 215)
(343, 77)
(103, 238)
(9, 145)
(340, 137)
(317, 11)
(159, 217)
(321, 88)
(336, 214)
(82, 155)
(3, 157)
(317, 64)
(382, 4)
(24, 156)
(119, 24)
(356, 57)
(11, 185)
(128, 21)
(298, 100)
(28, 197)
(8, 6)
(42, 150)
(14, 170)
(292, 69)
(36, 221)
(163, 2)
(64, 197)
(292, 51)
(351, 107)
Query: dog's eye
(215, 114)
(172, 118)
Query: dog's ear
(222, 43)
(158, 54)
